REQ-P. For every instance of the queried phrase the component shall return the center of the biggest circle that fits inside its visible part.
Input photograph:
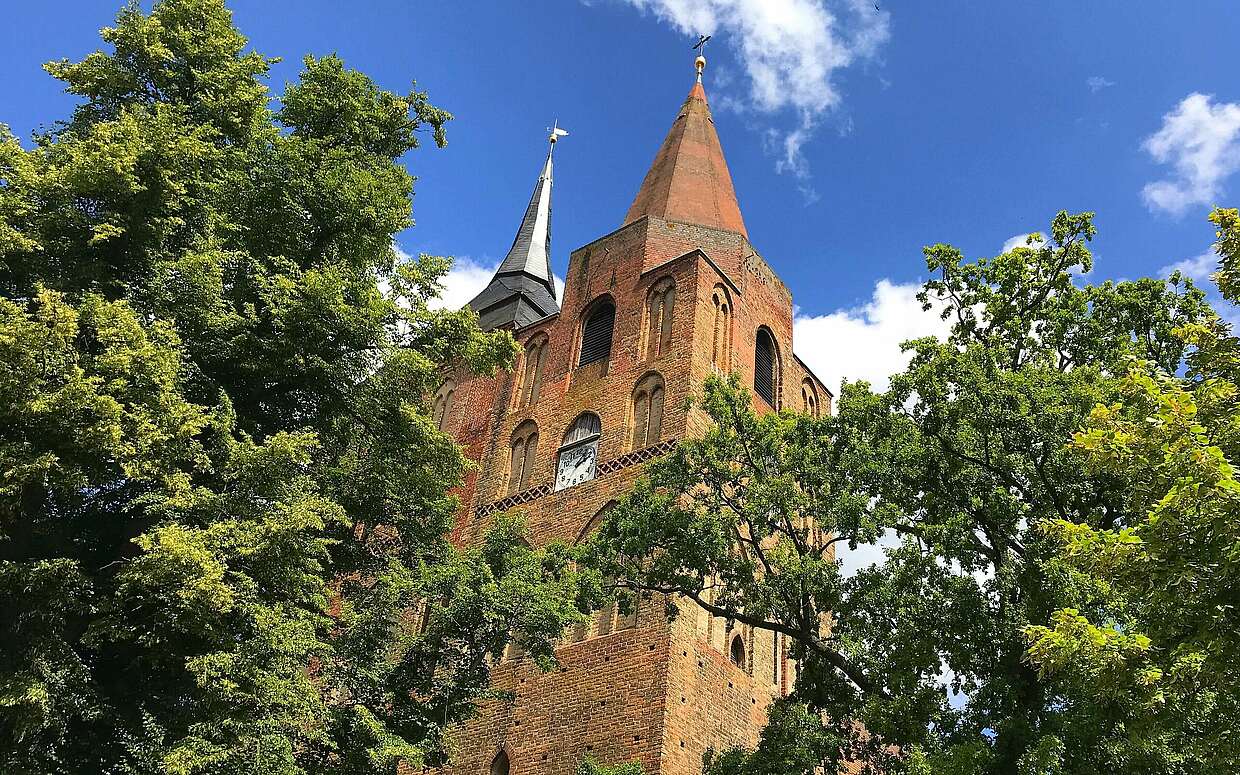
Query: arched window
(522, 457)
(500, 765)
(809, 398)
(659, 317)
(736, 652)
(721, 330)
(647, 412)
(442, 407)
(766, 368)
(583, 630)
(532, 372)
(596, 333)
(578, 460)
(595, 522)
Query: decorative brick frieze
(609, 467)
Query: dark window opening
(596, 334)
(499, 765)
(737, 651)
(765, 377)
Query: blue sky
(919, 122)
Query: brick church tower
(649, 311)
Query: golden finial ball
(700, 63)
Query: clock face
(577, 465)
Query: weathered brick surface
(654, 690)
(689, 179)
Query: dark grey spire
(522, 290)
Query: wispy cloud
(790, 51)
(1200, 139)
(1198, 269)
(1097, 83)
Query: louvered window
(596, 334)
(765, 376)
(586, 426)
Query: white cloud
(1198, 268)
(1200, 139)
(790, 51)
(1097, 83)
(466, 280)
(865, 555)
(864, 342)
(1019, 241)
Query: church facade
(675, 294)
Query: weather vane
(700, 62)
(556, 132)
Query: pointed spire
(523, 289)
(689, 179)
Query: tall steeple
(689, 179)
(522, 289)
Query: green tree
(590, 767)
(957, 464)
(1165, 652)
(222, 500)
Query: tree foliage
(956, 468)
(1164, 651)
(223, 502)
(589, 766)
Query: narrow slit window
(721, 330)
(766, 368)
(737, 651)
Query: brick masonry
(657, 691)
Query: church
(649, 312)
